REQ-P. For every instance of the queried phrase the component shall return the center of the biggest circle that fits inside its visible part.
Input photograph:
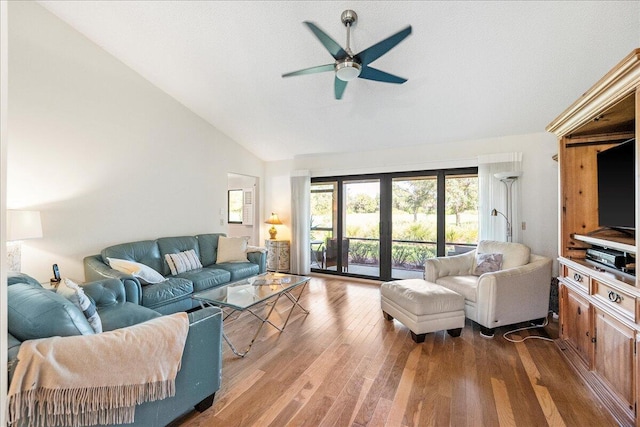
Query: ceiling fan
(347, 65)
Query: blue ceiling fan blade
(339, 87)
(371, 73)
(374, 52)
(311, 70)
(334, 48)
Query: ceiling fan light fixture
(348, 70)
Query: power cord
(546, 322)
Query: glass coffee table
(248, 294)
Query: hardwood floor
(344, 365)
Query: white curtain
(300, 222)
(493, 195)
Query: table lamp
(21, 225)
(273, 220)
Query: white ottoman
(423, 307)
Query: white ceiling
(474, 69)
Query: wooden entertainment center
(599, 306)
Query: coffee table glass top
(248, 292)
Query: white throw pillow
(143, 272)
(183, 261)
(74, 293)
(232, 249)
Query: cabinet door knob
(577, 277)
(579, 310)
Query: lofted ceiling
(475, 69)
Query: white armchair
(518, 292)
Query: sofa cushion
(145, 252)
(173, 289)
(420, 297)
(513, 254)
(205, 278)
(208, 244)
(35, 312)
(240, 270)
(232, 249)
(174, 245)
(466, 286)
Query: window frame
(229, 211)
(386, 184)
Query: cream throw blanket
(96, 379)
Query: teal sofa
(174, 294)
(35, 312)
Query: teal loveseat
(174, 294)
(35, 312)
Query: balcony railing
(409, 255)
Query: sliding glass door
(324, 223)
(385, 226)
(361, 237)
(414, 224)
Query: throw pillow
(143, 272)
(74, 293)
(487, 263)
(232, 249)
(183, 261)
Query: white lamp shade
(22, 225)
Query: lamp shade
(273, 220)
(22, 225)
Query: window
(389, 224)
(235, 206)
(323, 220)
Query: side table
(277, 255)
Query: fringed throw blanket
(96, 379)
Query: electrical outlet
(221, 221)
(524, 225)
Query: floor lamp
(508, 178)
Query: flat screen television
(617, 186)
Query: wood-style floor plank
(344, 365)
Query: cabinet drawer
(621, 300)
(577, 277)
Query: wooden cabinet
(277, 255)
(598, 334)
(599, 308)
(576, 323)
(614, 356)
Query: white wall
(539, 183)
(103, 154)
